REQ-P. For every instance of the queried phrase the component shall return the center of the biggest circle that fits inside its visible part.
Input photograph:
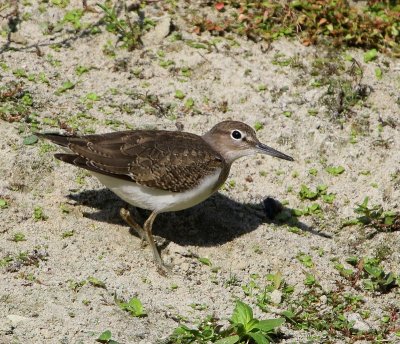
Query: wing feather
(173, 161)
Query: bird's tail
(59, 139)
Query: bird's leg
(126, 215)
(148, 225)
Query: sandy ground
(80, 235)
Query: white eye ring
(236, 134)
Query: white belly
(159, 200)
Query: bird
(161, 170)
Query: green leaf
(335, 170)
(81, 69)
(306, 193)
(370, 55)
(134, 307)
(258, 126)
(277, 279)
(389, 279)
(329, 198)
(205, 261)
(270, 324)
(374, 271)
(30, 140)
(104, 337)
(242, 313)
(229, 340)
(189, 103)
(353, 260)
(378, 73)
(251, 325)
(3, 203)
(92, 96)
(179, 94)
(96, 282)
(67, 85)
(259, 338)
(288, 314)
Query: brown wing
(173, 161)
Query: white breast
(159, 200)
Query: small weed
(3, 203)
(30, 140)
(189, 103)
(370, 55)
(18, 237)
(95, 282)
(244, 328)
(258, 126)
(38, 214)
(262, 88)
(134, 307)
(79, 70)
(60, 3)
(76, 286)
(105, 338)
(67, 85)
(335, 171)
(312, 209)
(232, 280)
(74, 17)
(375, 217)
(205, 332)
(179, 94)
(205, 261)
(24, 258)
(337, 23)
(320, 191)
(373, 276)
(67, 234)
(127, 31)
(92, 96)
(305, 259)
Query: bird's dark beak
(264, 149)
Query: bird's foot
(164, 269)
(126, 216)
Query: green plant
(179, 94)
(74, 18)
(313, 209)
(339, 23)
(244, 328)
(305, 259)
(95, 282)
(258, 126)
(3, 203)
(374, 216)
(335, 170)
(18, 237)
(127, 31)
(205, 261)
(320, 191)
(372, 274)
(38, 214)
(134, 307)
(67, 85)
(105, 338)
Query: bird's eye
(236, 134)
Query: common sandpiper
(162, 170)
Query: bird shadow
(216, 221)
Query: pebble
(359, 323)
